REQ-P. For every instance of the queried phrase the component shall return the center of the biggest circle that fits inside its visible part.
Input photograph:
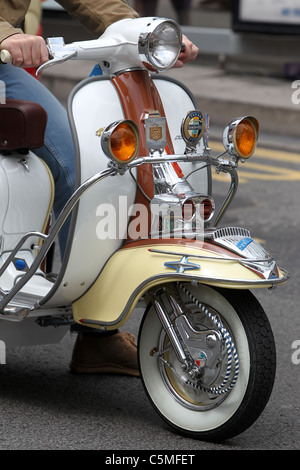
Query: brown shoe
(114, 354)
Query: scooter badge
(192, 128)
(155, 127)
(181, 265)
(155, 133)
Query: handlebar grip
(5, 57)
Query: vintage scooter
(144, 232)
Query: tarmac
(223, 89)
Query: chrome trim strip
(214, 258)
(180, 277)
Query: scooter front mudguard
(139, 266)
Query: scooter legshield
(94, 104)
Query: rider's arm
(12, 14)
(97, 16)
(28, 50)
(7, 30)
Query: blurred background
(258, 35)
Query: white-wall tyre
(235, 411)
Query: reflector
(240, 136)
(123, 142)
(245, 138)
(120, 141)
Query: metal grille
(230, 237)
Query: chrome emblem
(182, 265)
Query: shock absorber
(170, 331)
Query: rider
(93, 352)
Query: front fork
(195, 349)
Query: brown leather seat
(22, 125)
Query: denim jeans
(57, 151)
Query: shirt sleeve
(7, 30)
(97, 15)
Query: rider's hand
(26, 50)
(189, 53)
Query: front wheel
(202, 408)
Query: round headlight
(120, 141)
(240, 136)
(160, 47)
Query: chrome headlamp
(159, 46)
